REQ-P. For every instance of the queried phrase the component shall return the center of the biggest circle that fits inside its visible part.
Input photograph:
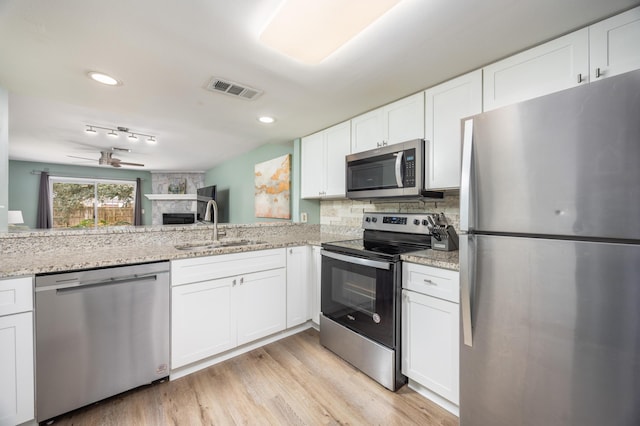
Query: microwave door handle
(399, 156)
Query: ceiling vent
(234, 89)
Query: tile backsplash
(345, 216)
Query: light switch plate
(303, 217)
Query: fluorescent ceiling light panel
(310, 30)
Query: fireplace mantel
(171, 197)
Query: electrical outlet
(303, 217)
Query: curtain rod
(59, 174)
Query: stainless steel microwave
(393, 171)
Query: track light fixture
(133, 136)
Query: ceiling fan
(107, 159)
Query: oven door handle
(357, 260)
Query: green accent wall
(24, 185)
(237, 177)
(4, 155)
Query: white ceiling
(165, 52)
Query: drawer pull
(428, 281)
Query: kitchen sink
(209, 245)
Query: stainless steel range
(361, 288)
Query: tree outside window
(79, 203)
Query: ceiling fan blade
(130, 164)
(82, 158)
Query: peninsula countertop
(39, 253)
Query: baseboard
(208, 362)
(432, 396)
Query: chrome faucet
(207, 216)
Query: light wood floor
(294, 381)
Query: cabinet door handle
(242, 280)
(598, 73)
(233, 283)
(579, 78)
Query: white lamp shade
(14, 217)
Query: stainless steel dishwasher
(99, 332)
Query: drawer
(16, 295)
(197, 269)
(436, 282)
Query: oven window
(357, 291)
(362, 298)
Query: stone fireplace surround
(170, 203)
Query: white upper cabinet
(615, 45)
(367, 131)
(399, 121)
(311, 164)
(445, 105)
(323, 162)
(556, 65)
(404, 119)
(337, 147)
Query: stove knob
(374, 219)
(425, 222)
(367, 219)
(416, 221)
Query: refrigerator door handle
(465, 179)
(467, 272)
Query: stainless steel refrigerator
(550, 260)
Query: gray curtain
(137, 207)
(44, 208)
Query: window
(79, 203)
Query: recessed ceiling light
(309, 31)
(103, 78)
(267, 120)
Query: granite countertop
(75, 258)
(14, 265)
(438, 259)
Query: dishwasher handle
(69, 288)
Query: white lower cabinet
(203, 321)
(261, 304)
(430, 330)
(220, 302)
(16, 351)
(298, 286)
